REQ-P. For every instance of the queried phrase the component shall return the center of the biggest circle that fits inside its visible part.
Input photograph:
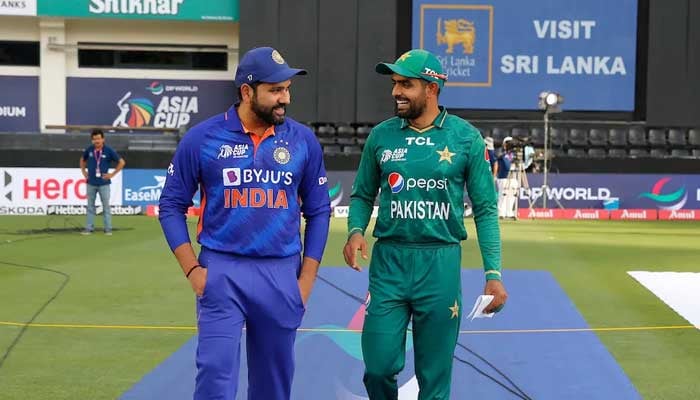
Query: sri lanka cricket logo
(457, 31)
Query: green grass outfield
(117, 287)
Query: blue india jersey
(252, 194)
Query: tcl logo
(52, 189)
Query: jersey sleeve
(315, 202)
(181, 183)
(364, 189)
(114, 155)
(484, 207)
(86, 154)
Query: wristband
(187, 275)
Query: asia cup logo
(669, 201)
(134, 113)
(396, 182)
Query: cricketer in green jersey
(420, 162)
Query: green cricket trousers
(420, 282)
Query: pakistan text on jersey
(420, 210)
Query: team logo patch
(281, 155)
(396, 182)
(225, 151)
(231, 176)
(171, 169)
(394, 155)
(277, 57)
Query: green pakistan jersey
(421, 176)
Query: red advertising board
(634, 214)
(679, 215)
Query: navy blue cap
(264, 64)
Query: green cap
(416, 63)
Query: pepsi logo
(396, 182)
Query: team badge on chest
(281, 155)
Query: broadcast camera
(522, 148)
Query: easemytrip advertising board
(500, 54)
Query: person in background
(94, 165)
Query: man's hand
(107, 176)
(85, 175)
(495, 288)
(305, 287)
(355, 243)
(198, 279)
(307, 277)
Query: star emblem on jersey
(281, 155)
(455, 310)
(445, 155)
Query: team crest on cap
(277, 57)
(281, 155)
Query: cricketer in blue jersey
(258, 171)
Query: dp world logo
(336, 194)
(396, 182)
(667, 201)
(156, 88)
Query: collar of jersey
(437, 123)
(233, 123)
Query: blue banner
(648, 191)
(143, 187)
(500, 54)
(137, 103)
(19, 104)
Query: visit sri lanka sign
(195, 10)
(500, 54)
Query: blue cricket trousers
(263, 295)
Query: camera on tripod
(517, 144)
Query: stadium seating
(598, 138)
(676, 138)
(617, 137)
(566, 141)
(639, 153)
(559, 137)
(576, 152)
(617, 153)
(578, 137)
(657, 138)
(537, 137)
(658, 152)
(637, 138)
(597, 152)
(498, 134)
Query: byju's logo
(668, 201)
(232, 176)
